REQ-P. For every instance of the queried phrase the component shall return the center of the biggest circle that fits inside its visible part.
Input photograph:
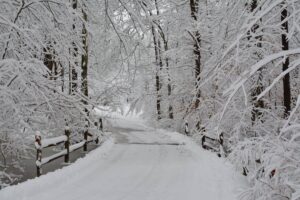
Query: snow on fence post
(186, 128)
(221, 141)
(203, 142)
(67, 144)
(38, 146)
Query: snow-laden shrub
(271, 165)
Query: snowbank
(32, 188)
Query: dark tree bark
(158, 62)
(171, 114)
(194, 6)
(84, 61)
(156, 28)
(73, 71)
(285, 66)
(257, 104)
(166, 48)
(62, 76)
(50, 63)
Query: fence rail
(41, 144)
(214, 144)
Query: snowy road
(143, 164)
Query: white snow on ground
(124, 168)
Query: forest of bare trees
(221, 66)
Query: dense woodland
(222, 66)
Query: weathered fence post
(186, 128)
(100, 124)
(38, 146)
(68, 148)
(221, 139)
(67, 144)
(86, 130)
(221, 148)
(203, 142)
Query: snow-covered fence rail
(214, 144)
(40, 144)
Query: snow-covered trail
(138, 163)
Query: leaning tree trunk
(285, 66)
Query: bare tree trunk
(73, 73)
(171, 114)
(49, 62)
(62, 76)
(257, 104)
(194, 6)
(285, 66)
(158, 62)
(84, 62)
(166, 48)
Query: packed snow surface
(137, 163)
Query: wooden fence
(41, 144)
(208, 142)
(213, 144)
